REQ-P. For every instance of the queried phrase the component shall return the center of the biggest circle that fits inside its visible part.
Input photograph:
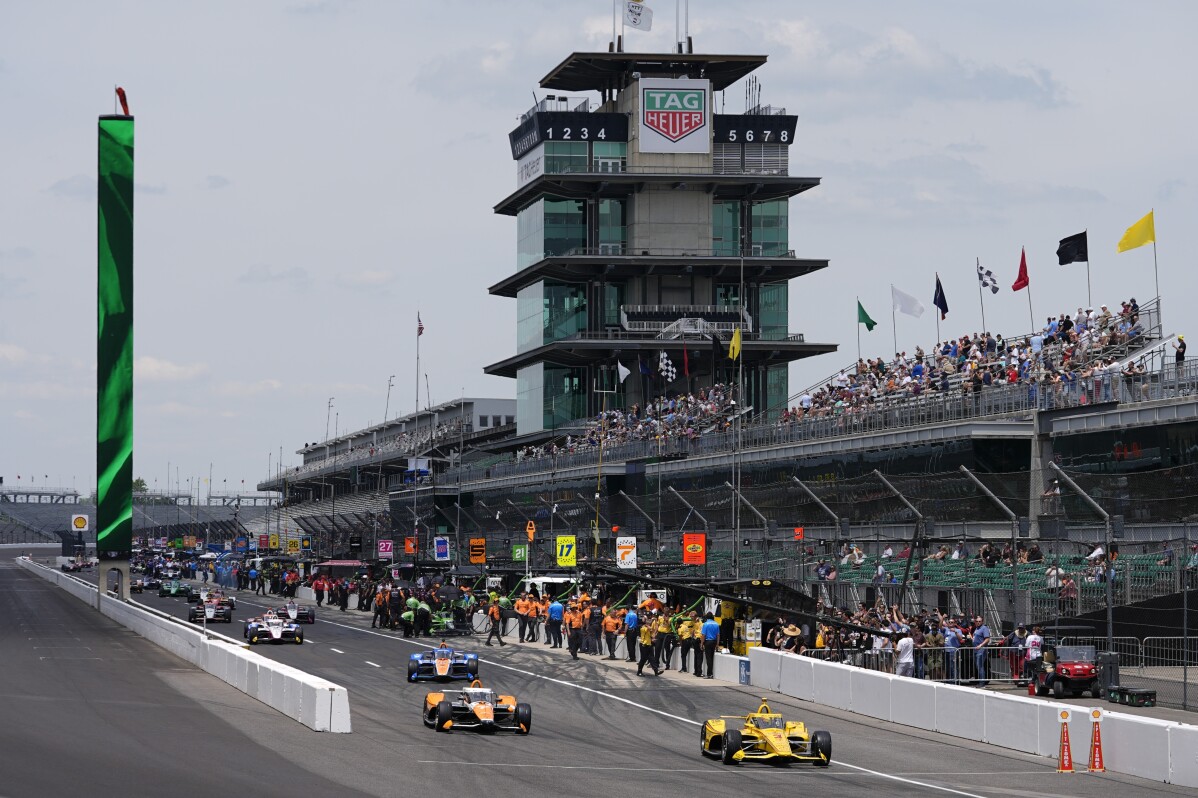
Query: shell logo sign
(80, 523)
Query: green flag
(863, 318)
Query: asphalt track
(597, 729)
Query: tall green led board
(114, 390)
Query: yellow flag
(734, 347)
(1141, 233)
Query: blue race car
(442, 664)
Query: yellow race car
(764, 736)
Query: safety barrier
(318, 704)
(1145, 747)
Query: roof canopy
(598, 71)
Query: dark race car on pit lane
(442, 664)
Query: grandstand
(46, 519)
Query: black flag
(1074, 249)
(939, 300)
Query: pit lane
(620, 731)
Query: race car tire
(254, 640)
(821, 742)
(413, 670)
(524, 717)
(444, 716)
(732, 743)
(472, 668)
(703, 741)
(299, 640)
(1058, 689)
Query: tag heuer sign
(675, 115)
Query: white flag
(638, 15)
(623, 372)
(905, 303)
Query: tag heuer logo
(674, 113)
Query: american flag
(419, 326)
(986, 278)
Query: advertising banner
(694, 548)
(440, 549)
(626, 552)
(567, 551)
(675, 115)
(478, 551)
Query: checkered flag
(666, 367)
(986, 278)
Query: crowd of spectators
(681, 417)
(1070, 353)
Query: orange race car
(477, 708)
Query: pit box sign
(567, 551)
(626, 552)
(694, 548)
(441, 549)
(519, 552)
(478, 551)
(264, 542)
(386, 550)
(274, 540)
(306, 543)
(675, 115)
(293, 546)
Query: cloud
(1170, 189)
(369, 277)
(847, 72)
(11, 353)
(929, 186)
(152, 369)
(78, 187)
(245, 389)
(258, 273)
(16, 253)
(40, 390)
(215, 182)
(178, 409)
(24, 415)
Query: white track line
(375, 664)
(337, 650)
(623, 700)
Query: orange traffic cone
(1096, 762)
(1065, 756)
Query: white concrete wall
(1138, 746)
(317, 703)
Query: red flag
(120, 95)
(686, 364)
(1021, 282)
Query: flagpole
(1089, 298)
(416, 446)
(893, 322)
(858, 329)
(614, 16)
(1030, 315)
(938, 311)
(981, 298)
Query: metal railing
(627, 250)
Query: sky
(313, 174)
